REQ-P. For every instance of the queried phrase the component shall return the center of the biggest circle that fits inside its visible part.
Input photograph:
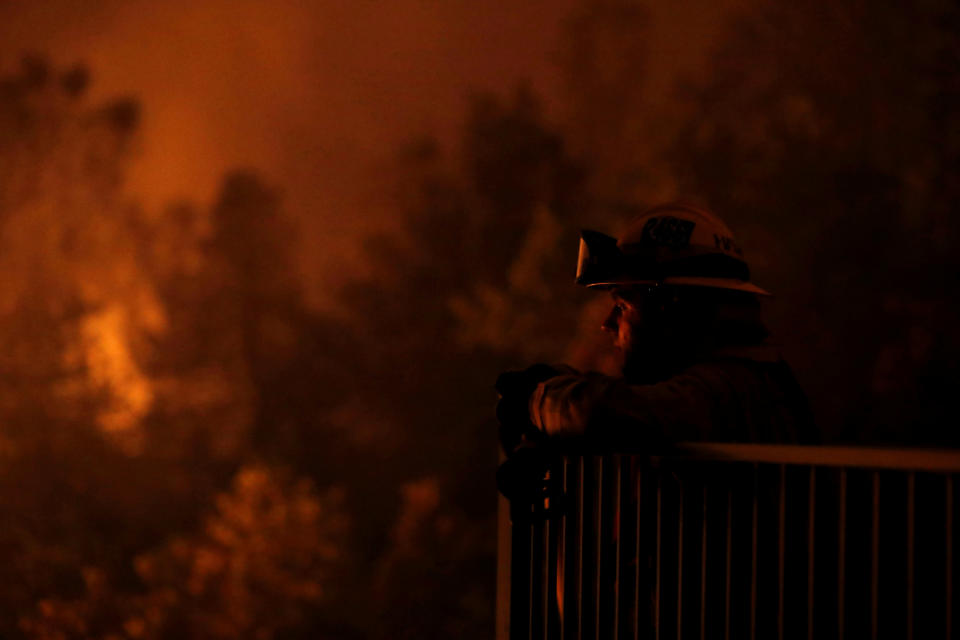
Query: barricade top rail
(880, 458)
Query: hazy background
(262, 262)
(316, 95)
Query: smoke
(314, 95)
(318, 95)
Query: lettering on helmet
(667, 232)
(726, 243)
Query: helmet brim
(717, 283)
(686, 281)
(601, 264)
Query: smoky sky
(317, 96)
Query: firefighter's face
(636, 325)
(624, 321)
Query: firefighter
(696, 363)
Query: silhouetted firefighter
(696, 362)
(697, 366)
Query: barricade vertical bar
(727, 565)
(875, 555)
(616, 529)
(841, 553)
(592, 497)
(563, 554)
(781, 546)
(608, 548)
(545, 564)
(537, 531)
(580, 546)
(949, 563)
(753, 555)
(521, 539)
(640, 550)
(911, 486)
(680, 559)
(811, 536)
(571, 551)
(532, 572)
(703, 567)
(591, 525)
(656, 589)
(556, 524)
(627, 562)
(599, 530)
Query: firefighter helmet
(670, 244)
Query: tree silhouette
(820, 123)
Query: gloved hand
(521, 476)
(513, 410)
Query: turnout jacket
(733, 394)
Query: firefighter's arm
(515, 388)
(612, 412)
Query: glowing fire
(114, 371)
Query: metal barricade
(734, 541)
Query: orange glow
(113, 369)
